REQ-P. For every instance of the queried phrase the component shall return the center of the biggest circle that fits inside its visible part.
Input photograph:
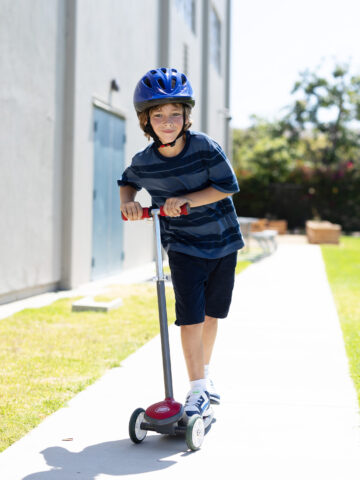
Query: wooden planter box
(264, 224)
(322, 232)
(259, 225)
(279, 225)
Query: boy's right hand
(132, 210)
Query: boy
(181, 167)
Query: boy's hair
(145, 115)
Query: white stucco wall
(216, 121)
(108, 46)
(31, 63)
(46, 163)
(181, 34)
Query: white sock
(206, 371)
(198, 385)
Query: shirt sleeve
(221, 173)
(129, 177)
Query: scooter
(166, 417)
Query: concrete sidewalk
(289, 408)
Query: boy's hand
(172, 206)
(132, 210)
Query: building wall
(31, 70)
(107, 47)
(57, 56)
(182, 35)
(216, 118)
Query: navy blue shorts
(202, 286)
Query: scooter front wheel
(136, 433)
(195, 432)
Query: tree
(326, 116)
(263, 151)
(307, 163)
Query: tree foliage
(263, 151)
(306, 164)
(325, 116)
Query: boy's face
(167, 121)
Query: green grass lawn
(241, 265)
(343, 270)
(49, 354)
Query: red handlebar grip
(185, 210)
(145, 214)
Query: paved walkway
(289, 409)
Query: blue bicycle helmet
(162, 85)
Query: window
(215, 40)
(188, 9)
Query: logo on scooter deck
(162, 409)
(165, 409)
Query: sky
(274, 40)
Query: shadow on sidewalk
(111, 458)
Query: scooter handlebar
(185, 210)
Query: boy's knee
(192, 332)
(209, 319)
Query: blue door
(107, 235)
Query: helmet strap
(158, 143)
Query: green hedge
(327, 193)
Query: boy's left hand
(172, 206)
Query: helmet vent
(147, 82)
(161, 83)
(160, 86)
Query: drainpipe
(163, 33)
(227, 115)
(67, 244)
(205, 66)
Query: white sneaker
(197, 403)
(214, 396)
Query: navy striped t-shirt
(209, 231)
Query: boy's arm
(195, 199)
(131, 209)
(208, 195)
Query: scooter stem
(160, 285)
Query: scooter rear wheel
(195, 432)
(136, 433)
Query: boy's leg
(209, 337)
(193, 348)
(198, 342)
(198, 399)
(218, 294)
